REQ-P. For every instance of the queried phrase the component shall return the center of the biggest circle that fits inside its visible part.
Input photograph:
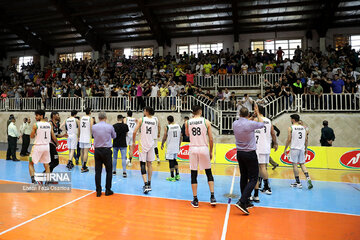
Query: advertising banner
(317, 157)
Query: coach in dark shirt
(327, 135)
(119, 143)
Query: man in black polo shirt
(55, 123)
(327, 135)
(119, 143)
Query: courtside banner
(317, 157)
(344, 158)
(226, 153)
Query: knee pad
(171, 164)
(156, 150)
(142, 167)
(175, 163)
(194, 174)
(209, 175)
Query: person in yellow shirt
(164, 92)
(207, 68)
(177, 71)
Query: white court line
(223, 235)
(30, 220)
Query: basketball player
(147, 126)
(264, 137)
(55, 124)
(42, 132)
(131, 122)
(200, 154)
(298, 141)
(172, 137)
(72, 129)
(86, 124)
(156, 136)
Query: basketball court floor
(329, 211)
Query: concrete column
(95, 55)
(43, 61)
(236, 47)
(322, 44)
(161, 51)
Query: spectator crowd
(308, 72)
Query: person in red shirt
(190, 77)
(280, 54)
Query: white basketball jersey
(263, 138)
(43, 133)
(148, 127)
(131, 122)
(298, 135)
(198, 132)
(71, 126)
(85, 131)
(173, 138)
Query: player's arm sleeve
(187, 128)
(33, 132)
(136, 129)
(165, 135)
(256, 125)
(288, 141)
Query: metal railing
(239, 80)
(206, 81)
(273, 77)
(330, 102)
(221, 118)
(281, 105)
(209, 112)
(3, 104)
(64, 104)
(251, 80)
(226, 123)
(106, 104)
(19, 104)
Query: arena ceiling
(43, 25)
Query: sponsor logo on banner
(136, 151)
(62, 147)
(183, 155)
(351, 159)
(230, 156)
(92, 149)
(309, 157)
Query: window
(183, 49)
(196, 48)
(139, 52)
(355, 42)
(73, 56)
(24, 60)
(287, 45)
(257, 45)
